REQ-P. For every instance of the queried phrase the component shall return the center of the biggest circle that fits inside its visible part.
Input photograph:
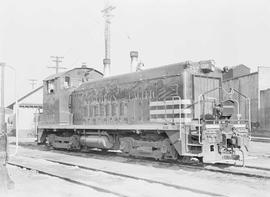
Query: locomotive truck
(176, 111)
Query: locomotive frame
(159, 113)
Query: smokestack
(134, 60)
(107, 68)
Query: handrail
(249, 110)
(180, 112)
(209, 98)
(238, 106)
(165, 105)
(199, 119)
(199, 102)
(249, 115)
(196, 102)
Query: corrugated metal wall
(248, 86)
(265, 111)
(264, 88)
(202, 85)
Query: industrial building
(29, 106)
(256, 86)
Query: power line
(33, 83)
(57, 60)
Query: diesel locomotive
(176, 111)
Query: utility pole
(2, 118)
(6, 181)
(57, 60)
(107, 16)
(33, 83)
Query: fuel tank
(102, 142)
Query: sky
(231, 32)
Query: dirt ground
(30, 183)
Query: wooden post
(2, 107)
(3, 144)
(5, 181)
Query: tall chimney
(107, 69)
(134, 60)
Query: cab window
(50, 87)
(67, 82)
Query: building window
(50, 87)
(67, 82)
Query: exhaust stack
(107, 67)
(134, 60)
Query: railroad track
(208, 167)
(216, 168)
(137, 181)
(237, 170)
(260, 139)
(99, 189)
(93, 162)
(261, 173)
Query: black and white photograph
(134, 98)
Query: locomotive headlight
(213, 62)
(207, 66)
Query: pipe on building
(102, 142)
(134, 60)
(107, 67)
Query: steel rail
(178, 163)
(202, 166)
(100, 189)
(136, 178)
(196, 167)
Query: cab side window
(67, 82)
(50, 87)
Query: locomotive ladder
(173, 111)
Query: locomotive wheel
(126, 145)
(169, 150)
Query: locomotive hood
(206, 67)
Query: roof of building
(10, 106)
(242, 76)
(54, 76)
(239, 65)
(30, 105)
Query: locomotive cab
(57, 89)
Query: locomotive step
(194, 144)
